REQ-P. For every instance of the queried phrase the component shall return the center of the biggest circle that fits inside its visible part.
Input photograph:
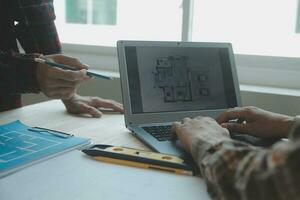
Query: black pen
(51, 132)
(67, 67)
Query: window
(98, 12)
(259, 27)
(265, 33)
(103, 22)
(77, 12)
(298, 18)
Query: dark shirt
(31, 22)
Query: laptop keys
(161, 133)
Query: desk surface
(75, 176)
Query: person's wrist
(71, 98)
(294, 132)
(286, 127)
(203, 143)
(215, 139)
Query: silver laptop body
(163, 82)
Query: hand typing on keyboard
(199, 130)
(257, 122)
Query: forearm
(41, 38)
(17, 73)
(36, 30)
(234, 170)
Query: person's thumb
(83, 108)
(235, 127)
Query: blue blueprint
(19, 145)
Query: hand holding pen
(58, 77)
(60, 83)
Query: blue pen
(67, 67)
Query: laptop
(164, 82)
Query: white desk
(75, 176)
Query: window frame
(258, 70)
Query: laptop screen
(172, 79)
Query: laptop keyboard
(161, 133)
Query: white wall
(283, 104)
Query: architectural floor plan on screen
(178, 81)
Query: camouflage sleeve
(235, 170)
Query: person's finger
(110, 104)
(68, 75)
(201, 118)
(86, 109)
(185, 120)
(236, 127)
(175, 126)
(225, 132)
(233, 113)
(86, 66)
(97, 102)
(178, 129)
(67, 60)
